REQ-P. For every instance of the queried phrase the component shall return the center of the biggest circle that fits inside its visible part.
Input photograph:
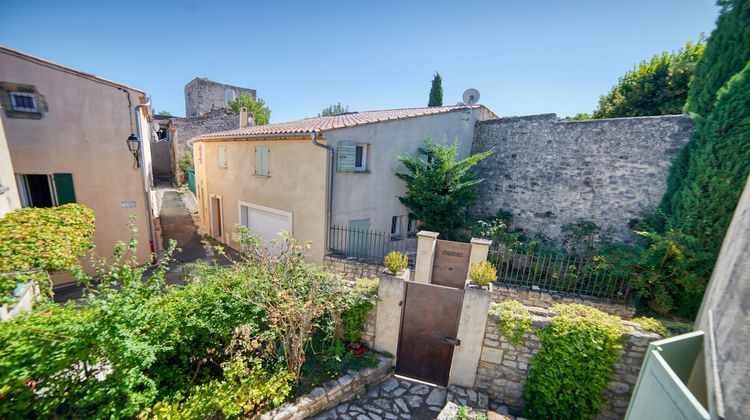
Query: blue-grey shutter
(347, 152)
(264, 157)
(261, 160)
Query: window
(396, 226)
(230, 95)
(222, 157)
(352, 156)
(45, 190)
(21, 101)
(261, 161)
(411, 226)
(360, 157)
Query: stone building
(207, 111)
(203, 96)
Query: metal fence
(559, 273)
(369, 246)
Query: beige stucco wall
(297, 184)
(83, 132)
(374, 195)
(8, 199)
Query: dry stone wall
(546, 298)
(503, 367)
(352, 268)
(203, 95)
(549, 173)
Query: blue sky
(525, 57)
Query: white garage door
(265, 222)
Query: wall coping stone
(350, 385)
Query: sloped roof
(321, 124)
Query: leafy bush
(574, 365)
(215, 347)
(395, 262)
(243, 391)
(513, 320)
(651, 325)
(185, 162)
(52, 239)
(256, 107)
(655, 87)
(482, 273)
(358, 307)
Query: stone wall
(549, 173)
(503, 367)
(352, 268)
(203, 95)
(187, 128)
(547, 298)
(332, 393)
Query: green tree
(257, 107)
(727, 52)
(436, 91)
(439, 189)
(655, 87)
(335, 109)
(165, 113)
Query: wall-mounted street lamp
(134, 145)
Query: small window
(411, 226)
(396, 226)
(360, 157)
(261, 161)
(230, 95)
(222, 157)
(45, 190)
(21, 101)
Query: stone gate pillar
(425, 256)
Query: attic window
(23, 102)
(230, 95)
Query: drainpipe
(146, 198)
(329, 189)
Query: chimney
(243, 117)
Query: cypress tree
(725, 55)
(436, 92)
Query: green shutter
(347, 152)
(64, 188)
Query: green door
(64, 188)
(358, 237)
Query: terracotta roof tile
(321, 124)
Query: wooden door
(428, 332)
(217, 228)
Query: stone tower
(203, 95)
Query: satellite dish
(471, 96)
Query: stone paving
(394, 398)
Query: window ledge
(365, 171)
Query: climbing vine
(355, 317)
(578, 352)
(513, 320)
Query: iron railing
(558, 273)
(369, 246)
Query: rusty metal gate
(428, 332)
(451, 264)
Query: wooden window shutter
(64, 188)
(261, 160)
(222, 157)
(347, 152)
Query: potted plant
(483, 274)
(396, 262)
